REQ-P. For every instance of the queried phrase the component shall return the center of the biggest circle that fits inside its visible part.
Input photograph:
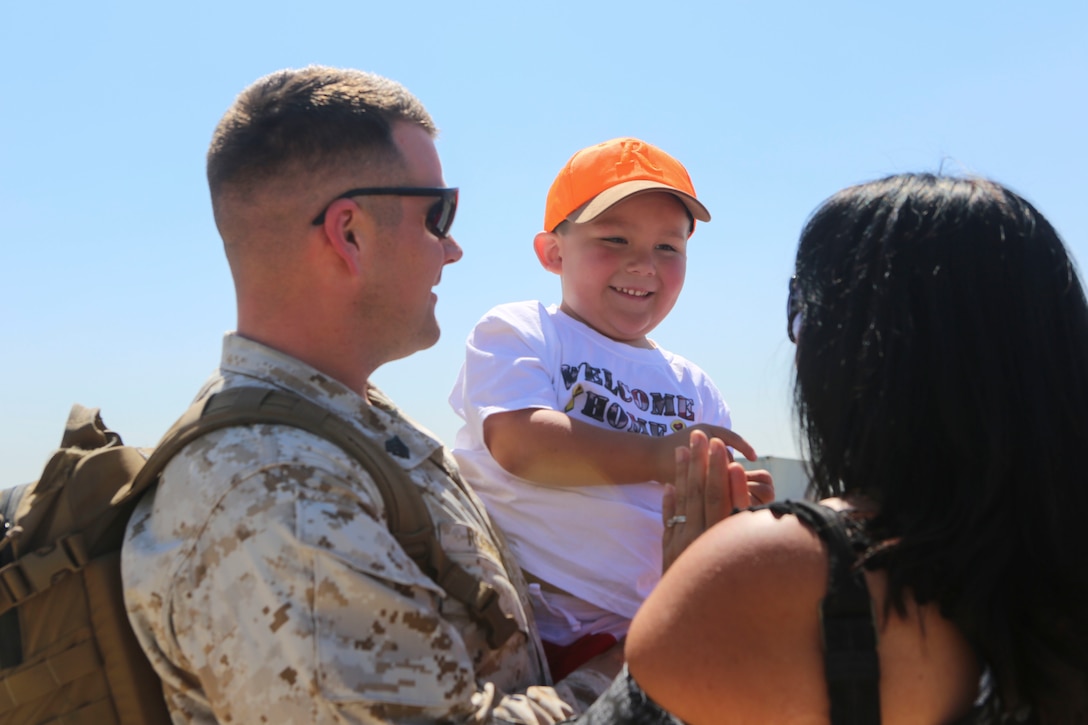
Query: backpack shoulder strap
(11, 643)
(847, 622)
(9, 504)
(409, 519)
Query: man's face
(407, 259)
(623, 271)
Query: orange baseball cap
(598, 177)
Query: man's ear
(546, 246)
(342, 229)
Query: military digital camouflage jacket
(265, 587)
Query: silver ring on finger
(678, 519)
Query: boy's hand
(760, 486)
(550, 448)
(731, 438)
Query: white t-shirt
(599, 543)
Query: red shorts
(562, 660)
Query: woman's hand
(708, 486)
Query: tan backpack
(67, 652)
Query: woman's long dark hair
(942, 371)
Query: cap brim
(614, 195)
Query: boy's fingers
(743, 446)
(760, 493)
(760, 486)
(733, 440)
(760, 475)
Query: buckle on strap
(479, 598)
(35, 571)
(14, 586)
(500, 625)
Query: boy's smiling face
(622, 272)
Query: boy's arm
(549, 447)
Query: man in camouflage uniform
(260, 576)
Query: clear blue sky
(113, 287)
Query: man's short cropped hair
(302, 120)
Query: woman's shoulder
(733, 619)
(737, 616)
(755, 565)
(750, 551)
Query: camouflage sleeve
(297, 605)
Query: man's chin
(419, 344)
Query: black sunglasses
(793, 311)
(439, 216)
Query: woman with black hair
(942, 393)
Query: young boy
(552, 395)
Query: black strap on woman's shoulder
(847, 624)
